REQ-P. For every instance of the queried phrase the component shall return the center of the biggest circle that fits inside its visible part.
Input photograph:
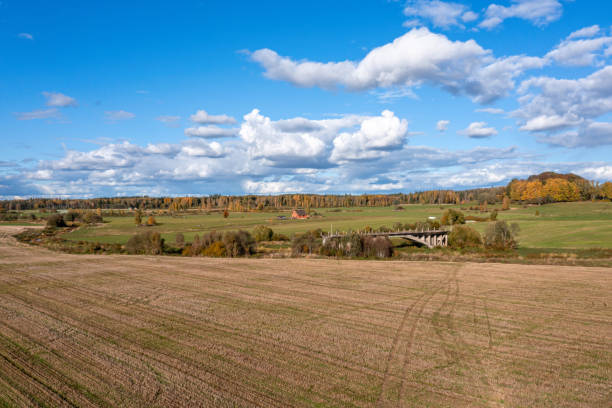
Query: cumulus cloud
(577, 51)
(538, 12)
(202, 117)
(374, 139)
(419, 56)
(210, 132)
(26, 36)
(118, 115)
(478, 130)
(550, 105)
(38, 114)
(442, 125)
(297, 147)
(290, 155)
(440, 13)
(273, 187)
(585, 32)
(199, 148)
(57, 99)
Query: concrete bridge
(431, 238)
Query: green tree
(452, 217)
(500, 235)
(463, 236)
(262, 233)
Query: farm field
(558, 226)
(146, 331)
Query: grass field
(559, 226)
(138, 331)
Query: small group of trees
(552, 187)
(262, 233)
(151, 221)
(498, 235)
(81, 217)
(145, 243)
(452, 217)
(215, 244)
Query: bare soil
(145, 331)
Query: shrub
(196, 246)
(280, 237)
(137, 218)
(238, 243)
(463, 236)
(56, 221)
(210, 238)
(380, 247)
(306, 243)
(179, 240)
(148, 243)
(452, 217)
(500, 235)
(217, 250)
(263, 233)
(90, 217)
(71, 216)
(151, 221)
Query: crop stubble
(163, 331)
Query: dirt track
(163, 331)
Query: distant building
(299, 214)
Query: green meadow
(551, 226)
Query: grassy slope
(562, 225)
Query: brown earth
(142, 331)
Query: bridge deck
(393, 233)
(429, 238)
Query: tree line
(545, 187)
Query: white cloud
(548, 122)
(493, 111)
(118, 115)
(210, 132)
(202, 117)
(589, 134)
(478, 130)
(169, 120)
(26, 36)
(418, 56)
(597, 172)
(38, 114)
(562, 103)
(538, 12)
(441, 14)
(585, 32)
(272, 187)
(58, 99)
(563, 111)
(289, 144)
(199, 148)
(374, 139)
(442, 125)
(469, 16)
(581, 52)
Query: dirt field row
(160, 331)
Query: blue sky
(169, 98)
